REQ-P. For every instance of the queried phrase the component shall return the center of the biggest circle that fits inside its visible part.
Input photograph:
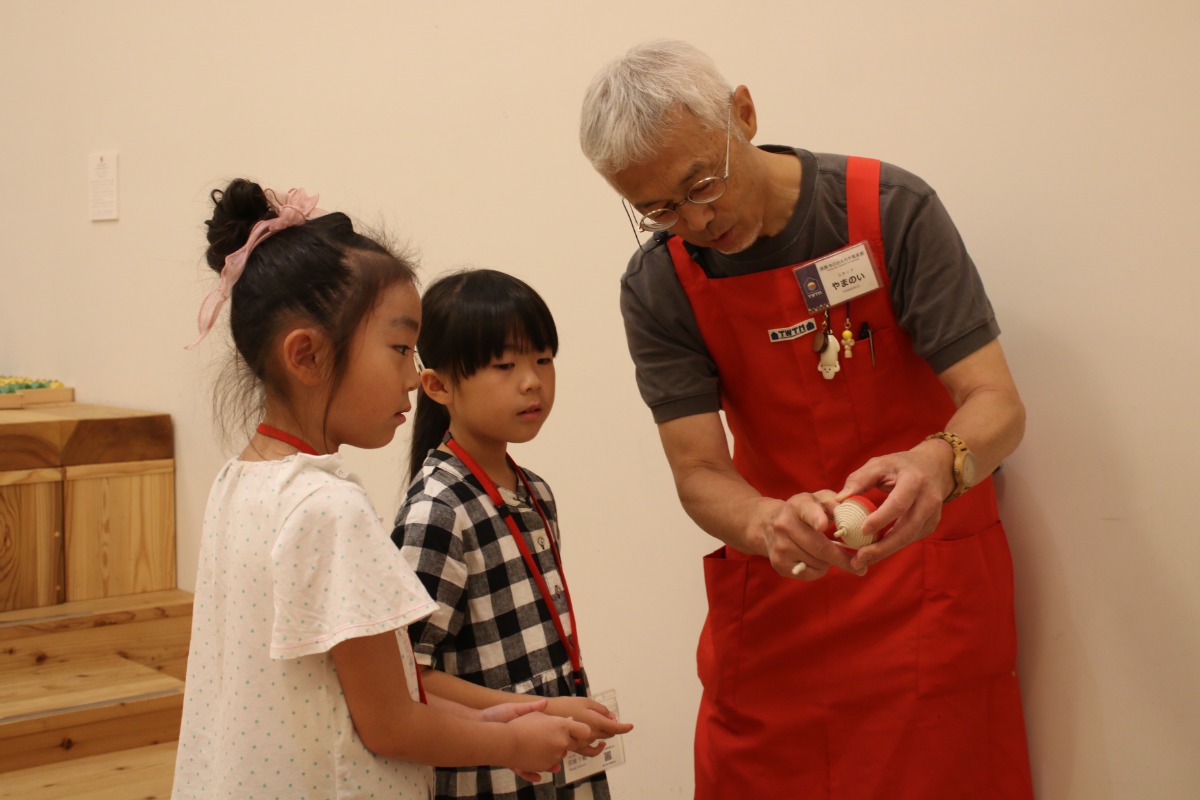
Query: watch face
(968, 470)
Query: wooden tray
(23, 398)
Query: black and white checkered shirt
(492, 626)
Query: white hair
(633, 101)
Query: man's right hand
(792, 533)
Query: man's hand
(792, 533)
(917, 482)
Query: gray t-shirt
(937, 295)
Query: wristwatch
(964, 463)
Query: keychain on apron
(820, 341)
(833, 280)
(847, 336)
(825, 344)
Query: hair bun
(235, 210)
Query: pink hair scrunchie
(297, 207)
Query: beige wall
(1062, 136)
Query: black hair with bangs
(468, 318)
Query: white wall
(1061, 135)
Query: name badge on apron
(837, 278)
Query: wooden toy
(849, 517)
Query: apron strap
(862, 206)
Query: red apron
(901, 684)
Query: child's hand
(507, 712)
(601, 722)
(541, 742)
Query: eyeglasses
(703, 191)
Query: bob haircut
(468, 319)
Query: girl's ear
(438, 389)
(306, 355)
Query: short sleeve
(675, 373)
(429, 540)
(336, 576)
(937, 293)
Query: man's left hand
(917, 481)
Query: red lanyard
(420, 683)
(285, 437)
(493, 494)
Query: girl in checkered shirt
(482, 533)
(301, 681)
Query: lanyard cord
(493, 494)
(285, 437)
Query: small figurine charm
(829, 365)
(849, 516)
(848, 343)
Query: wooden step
(152, 629)
(73, 708)
(91, 677)
(144, 773)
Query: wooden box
(31, 544)
(87, 503)
(120, 528)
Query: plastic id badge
(838, 277)
(577, 767)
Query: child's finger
(521, 709)
(589, 750)
(579, 731)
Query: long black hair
(467, 319)
(323, 272)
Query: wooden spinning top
(849, 516)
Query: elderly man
(829, 307)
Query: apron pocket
(968, 630)
(885, 416)
(719, 651)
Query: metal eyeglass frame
(661, 219)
